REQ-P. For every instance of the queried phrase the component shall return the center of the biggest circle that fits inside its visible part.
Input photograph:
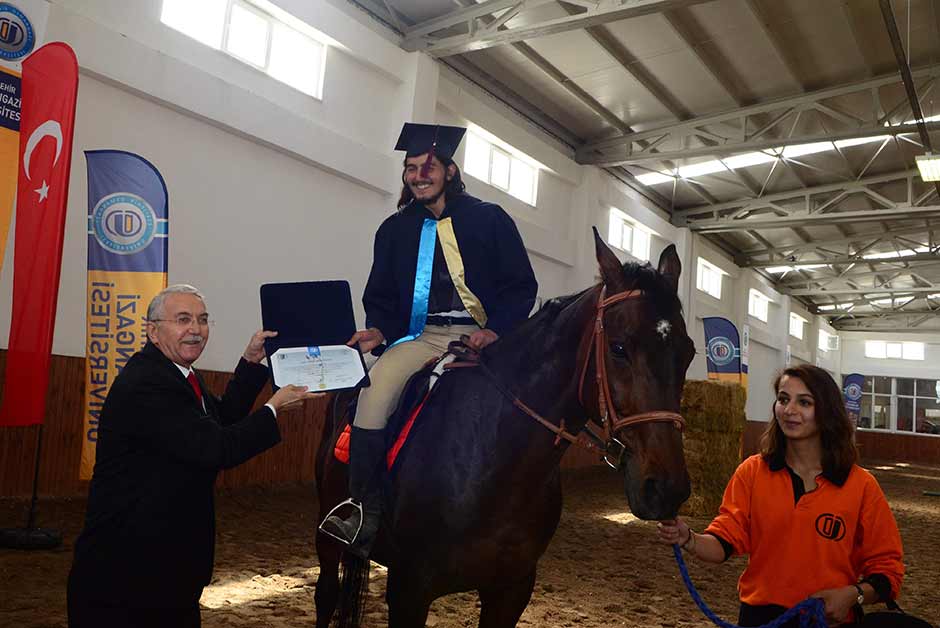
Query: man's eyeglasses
(185, 320)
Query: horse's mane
(638, 277)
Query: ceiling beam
(466, 70)
(892, 314)
(732, 147)
(904, 68)
(763, 201)
(612, 46)
(879, 291)
(849, 259)
(791, 250)
(774, 38)
(893, 329)
(734, 116)
(807, 220)
(714, 62)
(420, 37)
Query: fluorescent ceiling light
(929, 166)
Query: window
(628, 235)
(822, 341)
(758, 304)
(251, 35)
(881, 350)
(493, 161)
(900, 404)
(912, 351)
(796, 325)
(875, 349)
(708, 278)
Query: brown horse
(475, 498)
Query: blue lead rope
(811, 611)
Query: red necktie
(191, 378)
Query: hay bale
(715, 422)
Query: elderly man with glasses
(146, 550)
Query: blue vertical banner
(128, 232)
(852, 390)
(723, 351)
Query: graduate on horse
(474, 496)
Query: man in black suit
(147, 548)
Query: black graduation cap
(437, 139)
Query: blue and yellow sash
(431, 230)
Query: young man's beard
(433, 199)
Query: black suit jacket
(149, 534)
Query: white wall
(769, 341)
(854, 360)
(267, 184)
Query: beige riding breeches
(390, 373)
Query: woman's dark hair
(835, 429)
(451, 188)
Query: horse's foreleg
(502, 605)
(408, 601)
(327, 587)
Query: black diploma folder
(308, 314)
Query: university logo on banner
(21, 25)
(127, 264)
(852, 389)
(17, 37)
(723, 350)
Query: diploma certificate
(320, 369)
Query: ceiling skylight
(745, 160)
(901, 253)
(786, 269)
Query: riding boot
(367, 450)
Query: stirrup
(333, 511)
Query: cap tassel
(426, 166)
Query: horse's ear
(670, 267)
(610, 267)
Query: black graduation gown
(496, 265)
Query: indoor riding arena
(654, 237)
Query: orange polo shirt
(830, 538)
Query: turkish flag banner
(50, 87)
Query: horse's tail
(354, 588)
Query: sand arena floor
(602, 569)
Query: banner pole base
(30, 538)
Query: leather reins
(611, 421)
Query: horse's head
(646, 352)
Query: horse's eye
(617, 349)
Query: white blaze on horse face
(663, 328)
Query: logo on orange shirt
(830, 526)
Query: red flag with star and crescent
(50, 87)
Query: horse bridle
(611, 421)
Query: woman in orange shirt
(811, 521)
